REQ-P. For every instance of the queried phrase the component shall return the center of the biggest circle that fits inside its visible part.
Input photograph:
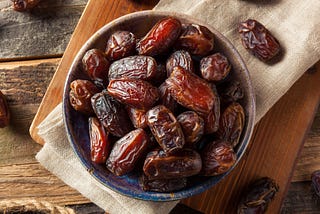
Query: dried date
(120, 44)
(215, 67)
(183, 163)
(217, 158)
(134, 92)
(190, 90)
(127, 151)
(315, 178)
(162, 185)
(23, 5)
(231, 92)
(258, 196)
(80, 95)
(4, 111)
(111, 113)
(138, 117)
(179, 58)
(165, 98)
(160, 38)
(258, 40)
(165, 128)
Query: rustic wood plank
(42, 32)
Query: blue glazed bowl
(77, 124)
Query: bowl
(77, 124)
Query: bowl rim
(194, 189)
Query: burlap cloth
(295, 23)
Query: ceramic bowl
(77, 125)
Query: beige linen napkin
(295, 23)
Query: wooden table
(31, 47)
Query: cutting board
(276, 141)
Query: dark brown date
(96, 65)
(231, 92)
(133, 92)
(190, 90)
(99, 143)
(315, 179)
(23, 5)
(196, 39)
(179, 58)
(231, 123)
(165, 98)
(138, 117)
(111, 113)
(183, 163)
(162, 185)
(257, 39)
(160, 38)
(217, 158)
(192, 126)
(134, 67)
(80, 95)
(120, 44)
(258, 196)
(215, 67)
(165, 128)
(127, 151)
(4, 111)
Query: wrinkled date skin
(133, 92)
(165, 128)
(138, 117)
(215, 67)
(120, 44)
(231, 92)
(231, 123)
(162, 185)
(80, 93)
(165, 98)
(196, 39)
(127, 151)
(134, 67)
(315, 178)
(111, 113)
(179, 58)
(96, 65)
(183, 163)
(190, 90)
(4, 111)
(160, 38)
(99, 142)
(258, 40)
(23, 5)
(217, 158)
(192, 126)
(258, 197)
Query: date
(165, 98)
(258, 40)
(120, 44)
(99, 141)
(215, 67)
(183, 163)
(217, 158)
(134, 67)
(4, 111)
(231, 92)
(127, 151)
(23, 5)
(134, 92)
(165, 128)
(162, 185)
(138, 117)
(180, 58)
(160, 38)
(111, 113)
(80, 95)
(190, 91)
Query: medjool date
(179, 58)
(138, 117)
(120, 44)
(215, 67)
(165, 98)
(23, 5)
(162, 185)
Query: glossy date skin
(180, 58)
(134, 67)
(162, 185)
(4, 111)
(192, 126)
(80, 95)
(165, 98)
(99, 141)
(258, 197)
(127, 151)
(111, 113)
(183, 163)
(165, 128)
(120, 44)
(138, 117)
(190, 91)
(258, 40)
(23, 5)
(215, 67)
(160, 38)
(134, 92)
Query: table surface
(32, 45)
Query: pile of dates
(163, 106)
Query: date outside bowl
(77, 124)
